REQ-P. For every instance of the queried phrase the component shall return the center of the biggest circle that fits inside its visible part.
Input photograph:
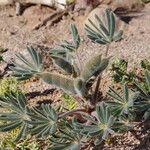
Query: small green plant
(17, 116)
(102, 126)
(8, 85)
(27, 144)
(92, 122)
(143, 101)
(121, 104)
(119, 71)
(68, 102)
(7, 141)
(75, 85)
(145, 64)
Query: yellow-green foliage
(7, 85)
(69, 102)
(7, 140)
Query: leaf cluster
(93, 125)
(104, 31)
(119, 71)
(62, 57)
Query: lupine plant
(120, 73)
(90, 123)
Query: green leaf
(69, 85)
(60, 81)
(102, 126)
(142, 103)
(147, 77)
(64, 64)
(27, 68)
(68, 138)
(103, 33)
(69, 146)
(121, 104)
(18, 115)
(111, 22)
(44, 121)
(93, 67)
(76, 37)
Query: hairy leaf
(121, 104)
(43, 120)
(17, 117)
(27, 68)
(93, 67)
(103, 33)
(64, 64)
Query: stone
(100, 11)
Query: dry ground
(17, 31)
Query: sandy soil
(17, 31)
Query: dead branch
(53, 18)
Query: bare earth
(17, 31)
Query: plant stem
(100, 75)
(97, 88)
(70, 112)
(107, 49)
(78, 58)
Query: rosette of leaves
(43, 120)
(143, 97)
(100, 128)
(122, 104)
(76, 85)
(104, 33)
(17, 116)
(28, 67)
(67, 139)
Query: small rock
(100, 12)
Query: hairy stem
(100, 77)
(107, 49)
(97, 88)
(78, 58)
(70, 112)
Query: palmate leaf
(44, 121)
(76, 37)
(17, 117)
(123, 123)
(93, 67)
(102, 127)
(68, 47)
(27, 68)
(121, 104)
(103, 33)
(143, 101)
(67, 139)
